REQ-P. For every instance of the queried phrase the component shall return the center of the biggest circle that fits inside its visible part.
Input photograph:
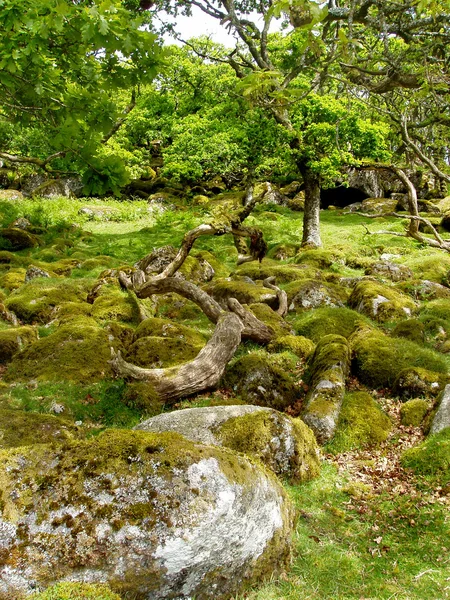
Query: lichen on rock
(380, 302)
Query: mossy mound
(425, 290)
(220, 270)
(435, 316)
(315, 324)
(312, 293)
(258, 380)
(14, 339)
(271, 318)
(379, 359)
(321, 259)
(75, 352)
(431, 459)
(380, 302)
(114, 304)
(245, 293)
(69, 311)
(432, 268)
(158, 352)
(297, 344)
(411, 329)
(76, 591)
(282, 273)
(169, 329)
(19, 428)
(413, 412)
(14, 238)
(106, 502)
(36, 300)
(283, 251)
(361, 424)
(197, 269)
(416, 381)
(13, 279)
(142, 396)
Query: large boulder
(43, 186)
(14, 339)
(285, 445)
(151, 515)
(246, 293)
(380, 302)
(441, 419)
(308, 294)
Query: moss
(282, 273)
(13, 279)
(321, 259)
(312, 293)
(19, 428)
(413, 412)
(76, 352)
(411, 329)
(272, 319)
(115, 304)
(36, 300)
(361, 424)
(380, 302)
(432, 268)
(258, 380)
(159, 352)
(259, 435)
(169, 329)
(76, 591)
(297, 344)
(245, 293)
(316, 323)
(142, 396)
(14, 238)
(283, 251)
(435, 316)
(378, 358)
(14, 339)
(68, 311)
(332, 350)
(220, 270)
(431, 459)
(416, 381)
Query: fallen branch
(269, 283)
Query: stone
(21, 223)
(14, 238)
(151, 515)
(415, 381)
(441, 419)
(41, 185)
(33, 272)
(389, 270)
(379, 205)
(284, 445)
(310, 293)
(380, 302)
(10, 195)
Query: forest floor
(367, 527)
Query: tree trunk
(311, 218)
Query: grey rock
(389, 270)
(33, 272)
(442, 417)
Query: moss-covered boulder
(285, 445)
(319, 258)
(14, 238)
(259, 380)
(441, 417)
(151, 515)
(78, 351)
(362, 423)
(142, 396)
(415, 381)
(159, 352)
(413, 412)
(431, 459)
(14, 339)
(423, 289)
(380, 302)
(19, 428)
(283, 251)
(433, 267)
(76, 591)
(378, 359)
(297, 344)
(282, 273)
(271, 318)
(435, 316)
(169, 329)
(390, 271)
(315, 324)
(411, 329)
(36, 300)
(328, 369)
(115, 304)
(311, 293)
(244, 292)
(13, 279)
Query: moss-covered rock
(159, 352)
(282, 273)
(76, 591)
(143, 397)
(413, 412)
(380, 302)
(440, 418)
(245, 293)
(115, 304)
(433, 268)
(220, 270)
(378, 358)
(312, 293)
(411, 329)
(390, 271)
(362, 423)
(206, 521)
(77, 351)
(258, 380)
(319, 258)
(315, 324)
(435, 316)
(415, 381)
(14, 339)
(169, 329)
(36, 300)
(271, 318)
(19, 428)
(283, 251)
(13, 279)
(14, 238)
(297, 344)
(423, 289)
(287, 446)
(431, 459)
(326, 375)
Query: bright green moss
(143, 397)
(76, 591)
(36, 300)
(431, 459)
(115, 305)
(169, 329)
(321, 259)
(361, 424)
(413, 412)
(159, 352)
(14, 339)
(19, 428)
(271, 318)
(411, 329)
(13, 279)
(319, 322)
(380, 302)
(332, 350)
(282, 273)
(432, 268)
(245, 293)
(283, 251)
(378, 358)
(76, 351)
(297, 344)
(220, 270)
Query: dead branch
(269, 283)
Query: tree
(62, 64)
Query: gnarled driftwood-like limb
(199, 374)
(269, 283)
(254, 329)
